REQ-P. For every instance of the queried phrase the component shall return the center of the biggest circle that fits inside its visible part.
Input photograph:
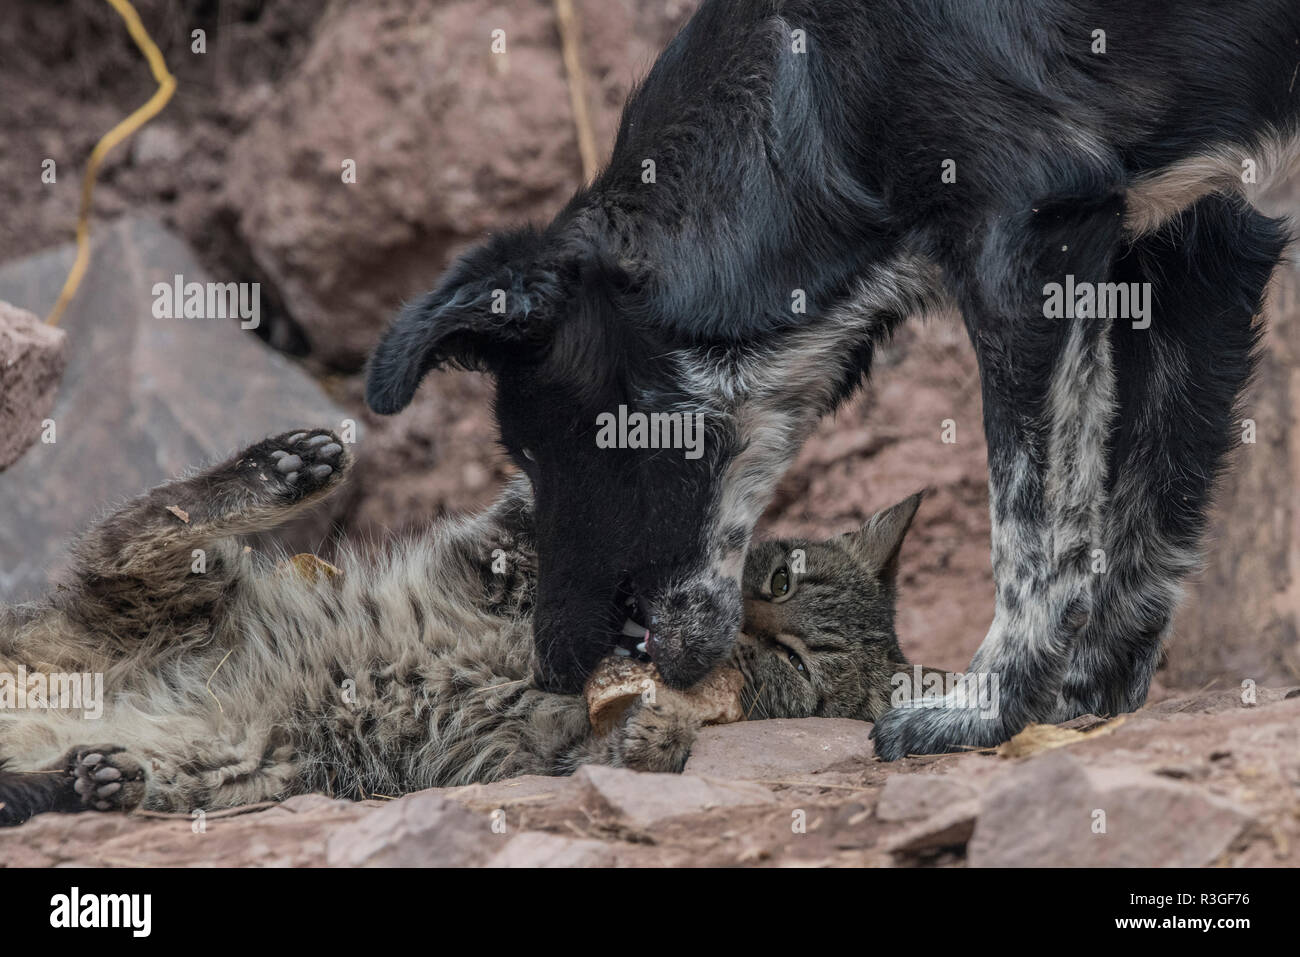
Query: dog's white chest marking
(775, 398)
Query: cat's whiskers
(757, 697)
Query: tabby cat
(231, 678)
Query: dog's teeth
(641, 648)
(632, 630)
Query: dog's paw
(296, 465)
(106, 778)
(916, 730)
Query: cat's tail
(23, 794)
(95, 777)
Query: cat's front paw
(106, 778)
(296, 465)
(658, 736)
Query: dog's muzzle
(690, 627)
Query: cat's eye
(528, 454)
(779, 586)
(797, 662)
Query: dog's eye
(780, 583)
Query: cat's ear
(499, 298)
(879, 541)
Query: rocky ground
(1194, 781)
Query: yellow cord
(166, 86)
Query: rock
(449, 141)
(1053, 811)
(534, 849)
(1241, 619)
(950, 827)
(156, 143)
(911, 797)
(301, 803)
(642, 800)
(1215, 702)
(419, 830)
(142, 399)
(31, 365)
(528, 789)
(778, 749)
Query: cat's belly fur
(382, 681)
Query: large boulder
(31, 364)
(142, 398)
(449, 140)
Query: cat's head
(818, 637)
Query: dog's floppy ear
(497, 299)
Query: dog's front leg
(1049, 394)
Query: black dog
(797, 177)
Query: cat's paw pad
(299, 464)
(106, 778)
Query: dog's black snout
(692, 627)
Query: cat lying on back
(230, 678)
